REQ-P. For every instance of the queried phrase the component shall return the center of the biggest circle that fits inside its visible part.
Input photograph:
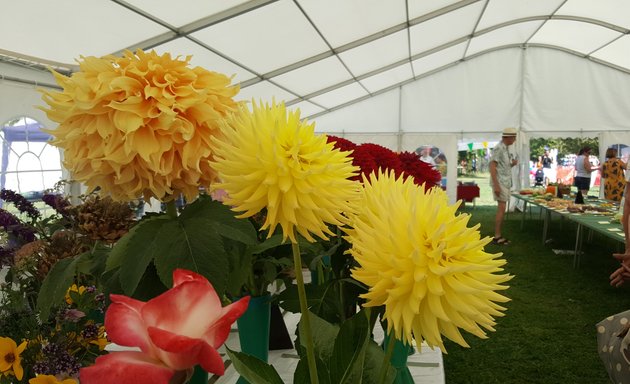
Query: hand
(621, 274)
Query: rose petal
(124, 323)
(187, 309)
(183, 275)
(126, 367)
(220, 330)
(181, 352)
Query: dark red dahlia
(420, 171)
(341, 143)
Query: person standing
(501, 163)
(583, 170)
(546, 162)
(613, 175)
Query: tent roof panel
(388, 78)
(63, 30)
(498, 12)
(616, 52)
(511, 34)
(264, 91)
(340, 95)
(313, 49)
(376, 54)
(265, 38)
(181, 12)
(578, 36)
(342, 22)
(306, 108)
(313, 77)
(439, 59)
(612, 11)
(445, 28)
(204, 58)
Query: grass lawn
(548, 334)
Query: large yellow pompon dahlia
(269, 158)
(421, 261)
(139, 124)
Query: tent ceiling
(318, 55)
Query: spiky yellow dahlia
(269, 158)
(139, 124)
(421, 261)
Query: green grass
(548, 334)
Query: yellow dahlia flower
(139, 124)
(421, 261)
(269, 158)
(50, 379)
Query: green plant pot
(199, 376)
(399, 360)
(253, 329)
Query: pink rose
(175, 331)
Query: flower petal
(124, 324)
(181, 352)
(126, 367)
(187, 309)
(220, 330)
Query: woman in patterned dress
(613, 174)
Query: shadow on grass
(548, 334)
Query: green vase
(253, 329)
(399, 360)
(199, 376)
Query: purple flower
(20, 202)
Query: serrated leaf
(228, 225)
(137, 251)
(195, 245)
(119, 253)
(253, 369)
(55, 285)
(272, 242)
(348, 357)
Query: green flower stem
(388, 357)
(305, 320)
(171, 209)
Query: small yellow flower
(421, 261)
(101, 340)
(74, 288)
(10, 359)
(50, 379)
(139, 124)
(269, 158)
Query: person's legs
(498, 219)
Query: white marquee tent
(400, 73)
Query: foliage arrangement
(384, 242)
(68, 333)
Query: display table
(467, 193)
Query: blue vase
(253, 329)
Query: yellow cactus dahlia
(421, 261)
(269, 158)
(139, 124)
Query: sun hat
(509, 132)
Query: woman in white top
(583, 169)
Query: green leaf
(93, 263)
(374, 356)
(324, 334)
(348, 358)
(135, 251)
(290, 301)
(253, 369)
(55, 285)
(120, 253)
(272, 242)
(227, 225)
(301, 372)
(191, 244)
